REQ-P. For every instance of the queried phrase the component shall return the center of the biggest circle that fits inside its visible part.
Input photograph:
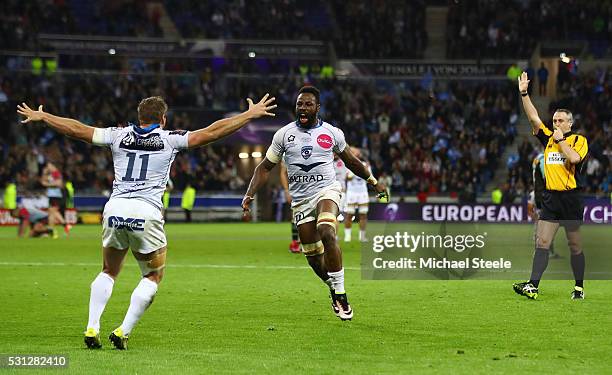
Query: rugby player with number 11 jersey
(142, 157)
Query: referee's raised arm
(530, 110)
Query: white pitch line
(228, 266)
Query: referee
(564, 154)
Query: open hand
(29, 113)
(262, 108)
(523, 82)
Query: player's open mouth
(303, 118)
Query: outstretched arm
(227, 126)
(356, 166)
(530, 110)
(63, 125)
(260, 177)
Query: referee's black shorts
(565, 207)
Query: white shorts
(306, 210)
(357, 200)
(132, 223)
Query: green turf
(235, 301)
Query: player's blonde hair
(152, 110)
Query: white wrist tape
(98, 137)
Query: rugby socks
(540, 261)
(141, 299)
(337, 281)
(347, 234)
(101, 290)
(362, 235)
(577, 262)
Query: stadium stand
(293, 19)
(513, 28)
(369, 30)
(456, 133)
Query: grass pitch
(235, 301)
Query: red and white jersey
(341, 171)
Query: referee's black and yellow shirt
(561, 175)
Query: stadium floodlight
(255, 154)
(243, 155)
(563, 56)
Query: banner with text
(595, 212)
(419, 68)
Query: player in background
(51, 178)
(307, 146)
(166, 197)
(31, 214)
(357, 200)
(294, 246)
(142, 158)
(341, 171)
(534, 204)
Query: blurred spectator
(542, 79)
(512, 28)
(380, 29)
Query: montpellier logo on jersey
(150, 142)
(128, 223)
(306, 152)
(555, 158)
(308, 167)
(325, 141)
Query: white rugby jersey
(356, 184)
(308, 154)
(142, 159)
(341, 171)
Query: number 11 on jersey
(130, 167)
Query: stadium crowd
(22, 21)
(513, 28)
(100, 101)
(456, 133)
(369, 29)
(358, 29)
(439, 131)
